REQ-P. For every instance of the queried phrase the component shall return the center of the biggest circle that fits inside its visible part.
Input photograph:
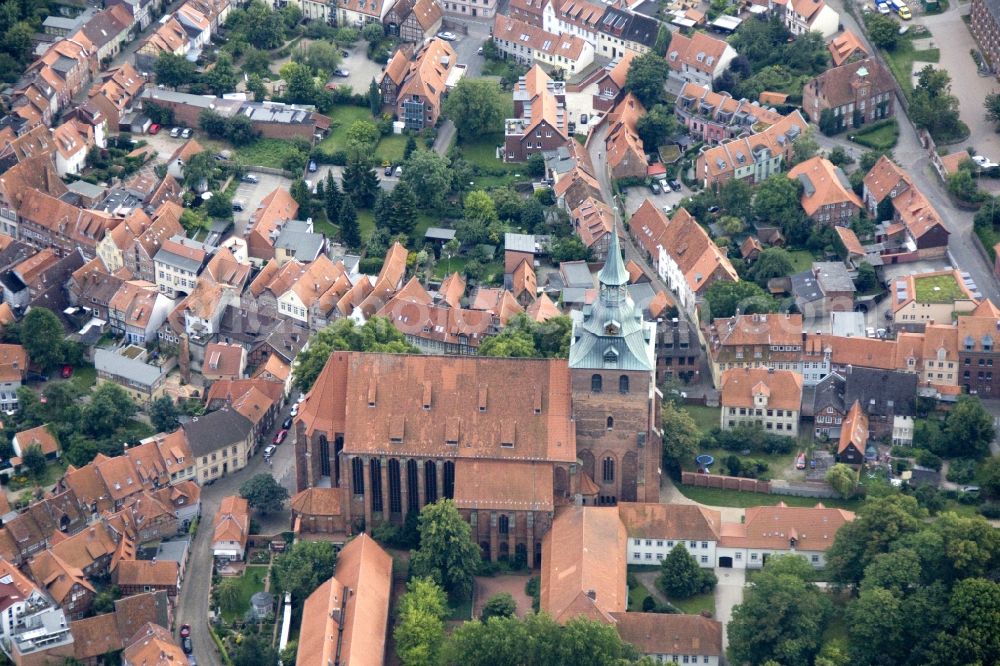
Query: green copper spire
(613, 274)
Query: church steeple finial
(613, 274)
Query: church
(508, 439)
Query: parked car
(345, 53)
(186, 645)
(287, 423)
(675, 185)
(312, 166)
(185, 630)
(280, 437)
(175, 132)
(665, 186)
(388, 170)
(295, 410)
(269, 451)
(713, 209)
(36, 377)
(67, 371)
(250, 178)
(447, 35)
(154, 129)
(654, 187)
(983, 162)
(479, 51)
(186, 133)
(970, 489)
(342, 73)
(238, 206)
(302, 398)
(883, 8)
(398, 172)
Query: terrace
(938, 289)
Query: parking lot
(250, 195)
(635, 196)
(362, 70)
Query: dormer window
(610, 356)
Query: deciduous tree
(680, 575)
(782, 617)
(42, 337)
(447, 553)
(680, 438)
(842, 479)
(377, 334)
(163, 413)
(476, 106)
(263, 493)
(646, 78)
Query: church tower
(616, 404)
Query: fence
(726, 482)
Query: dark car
(713, 209)
(185, 630)
(67, 371)
(280, 437)
(675, 185)
(186, 645)
(36, 377)
(345, 53)
(287, 423)
(388, 170)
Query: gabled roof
(843, 46)
(530, 37)
(345, 619)
(700, 52)
(854, 431)
(583, 565)
(232, 520)
(41, 437)
(670, 634)
(774, 527)
(670, 521)
(823, 184)
(740, 386)
(503, 485)
(428, 72)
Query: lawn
(882, 137)
(251, 582)
(989, 237)
(696, 604)
(938, 289)
(736, 498)
(267, 153)
(901, 61)
(491, 172)
(446, 267)
(391, 148)
(802, 260)
(366, 222)
(777, 462)
(706, 418)
(84, 378)
(341, 118)
(636, 595)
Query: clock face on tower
(611, 328)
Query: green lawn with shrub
(881, 135)
(251, 582)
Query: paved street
(192, 605)
(914, 159)
(728, 595)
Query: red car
(154, 128)
(185, 630)
(67, 371)
(280, 437)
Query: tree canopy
(680, 437)
(524, 337)
(646, 77)
(782, 617)
(263, 493)
(681, 577)
(419, 632)
(725, 298)
(447, 553)
(375, 335)
(302, 568)
(476, 106)
(43, 338)
(536, 640)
